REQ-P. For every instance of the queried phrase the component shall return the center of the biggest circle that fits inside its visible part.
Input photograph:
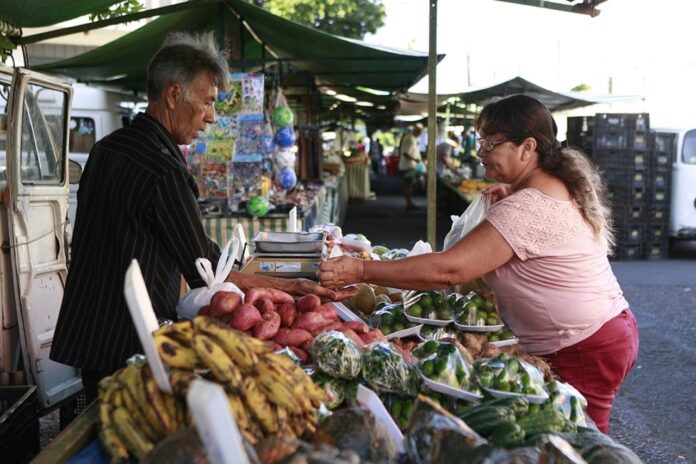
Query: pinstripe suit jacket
(136, 201)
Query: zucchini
(508, 435)
(544, 421)
(485, 420)
(519, 405)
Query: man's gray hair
(181, 59)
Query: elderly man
(409, 157)
(137, 201)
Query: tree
(119, 9)
(347, 18)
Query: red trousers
(599, 364)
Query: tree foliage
(347, 18)
(119, 9)
(581, 88)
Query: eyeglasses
(486, 146)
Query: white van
(681, 148)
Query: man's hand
(340, 272)
(306, 286)
(292, 286)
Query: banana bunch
(267, 392)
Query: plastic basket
(621, 196)
(657, 215)
(661, 179)
(619, 160)
(632, 178)
(19, 423)
(657, 233)
(620, 139)
(639, 122)
(627, 214)
(628, 252)
(659, 196)
(663, 146)
(655, 250)
(630, 233)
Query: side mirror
(74, 172)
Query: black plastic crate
(664, 145)
(661, 179)
(654, 250)
(656, 232)
(620, 160)
(582, 142)
(577, 125)
(627, 214)
(19, 423)
(629, 233)
(659, 196)
(620, 139)
(657, 214)
(628, 252)
(640, 122)
(630, 178)
(621, 196)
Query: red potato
(308, 303)
(328, 312)
(302, 354)
(353, 336)
(224, 303)
(264, 305)
(276, 296)
(292, 337)
(288, 313)
(245, 317)
(358, 327)
(205, 310)
(309, 321)
(268, 328)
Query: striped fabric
(358, 178)
(136, 201)
(220, 228)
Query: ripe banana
(233, 342)
(155, 401)
(181, 380)
(219, 363)
(181, 331)
(282, 377)
(133, 380)
(134, 441)
(259, 406)
(299, 378)
(175, 354)
(139, 420)
(276, 391)
(109, 437)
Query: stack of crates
(659, 189)
(622, 151)
(580, 133)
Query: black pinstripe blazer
(136, 200)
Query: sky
(643, 47)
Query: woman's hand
(297, 287)
(339, 272)
(497, 192)
(308, 287)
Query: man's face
(194, 110)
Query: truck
(34, 231)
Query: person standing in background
(409, 157)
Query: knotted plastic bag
(195, 299)
(462, 225)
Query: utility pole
(432, 127)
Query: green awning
(332, 62)
(39, 13)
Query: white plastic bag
(420, 248)
(462, 225)
(195, 299)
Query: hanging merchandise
(287, 178)
(285, 137)
(257, 206)
(282, 116)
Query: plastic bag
(442, 362)
(195, 299)
(386, 370)
(462, 225)
(337, 355)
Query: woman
(542, 249)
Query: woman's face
(500, 157)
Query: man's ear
(173, 94)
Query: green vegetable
(336, 355)
(430, 346)
(508, 435)
(485, 420)
(385, 370)
(519, 405)
(543, 421)
(335, 388)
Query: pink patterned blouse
(559, 288)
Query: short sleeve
(532, 223)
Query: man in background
(409, 157)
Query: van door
(37, 175)
(683, 217)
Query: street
(653, 413)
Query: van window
(689, 150)
(82, 135)
(42, 147)
(4, 95)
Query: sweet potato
(275, 346)
(328, 312)
(374, 335)
(352, 335)
(268, 328)
(332, 325)
(358, 327)
(302, 354)
(275, 295)
(264, 305)
(309, 321)
(224, 302)
(307, 346)
(292, 337)
(288, 313)
(245, 317)
(308, 303)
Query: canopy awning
(554, 101)
(39, 13)
(335, 63)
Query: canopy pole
(432, 127)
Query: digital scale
(289, 265)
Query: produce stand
(358, 178)
(75, 438)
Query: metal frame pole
(432, 126)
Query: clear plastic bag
(195, 299)
(462, 225)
